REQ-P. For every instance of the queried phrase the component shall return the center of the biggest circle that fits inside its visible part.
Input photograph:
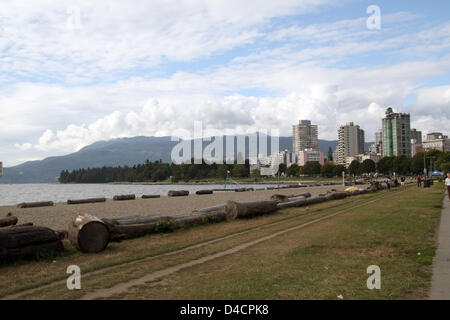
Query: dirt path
(440, 285)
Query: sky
(75, 72)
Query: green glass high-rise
(396, 134)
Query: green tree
(367, 166)
(256, 174)
(353, 168)
(282, 168)
(401, 165)
(337, 171)
(416, 163)
(327, 170)
(445, 167)
(385, 165)
(311, 168)
(293, 170)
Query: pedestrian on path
(419, 181)
(447, 185)
(388, 183)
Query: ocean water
(12, 194)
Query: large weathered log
(204, 192)
(150, 196)
(8, 221)
(35, 204)
(30, 251)
(129, 231)
(88, 233)
(122, 232)
(219, 207)
(235, 210)
(336, 195)
(21, 236)
(178, 193)
(133, 220)
(81, 201)
(293, 203)
(304, 194)
(315, 200)
(27, 241)
(124, 197)
(198, 218)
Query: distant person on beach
(419, 181)
(447, 184)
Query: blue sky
(128, 68)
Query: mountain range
(115, 152)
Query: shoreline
(61, 214)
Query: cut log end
(88, 233)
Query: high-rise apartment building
(350, 142)
(304, 136)
(377, 147)
(416, 142)
(396, 134)
(416, 135)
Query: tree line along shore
(159, 171)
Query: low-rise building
(436, 141)
(309, 155)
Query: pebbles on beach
(60, 215)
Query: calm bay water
(12, 194)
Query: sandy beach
(60, 215)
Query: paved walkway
(440, 285)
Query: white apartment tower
(350, 142)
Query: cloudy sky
(74, 72)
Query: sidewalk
(440, 284)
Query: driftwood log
(178, 193)
(298, 202)
(235, 210)
(219, 207)
(88, 233)
(150, 196)
(27, 241)
(81, 201)
(9, 220)
(204, 192)
(121, 229)
(124, 197)
(132, 220)
(35, 204)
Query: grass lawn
(320, 261)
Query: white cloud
(68, 88)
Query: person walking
(447, 184)
(388, 183)
(419, 181)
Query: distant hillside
(116, 152)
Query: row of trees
(155, 171)
(159, 171)
(401, 165)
